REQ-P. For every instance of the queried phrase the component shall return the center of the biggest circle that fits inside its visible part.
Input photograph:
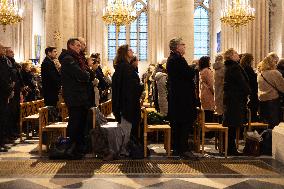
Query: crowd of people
(227, 88)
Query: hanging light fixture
(10, 13)
(118, 13)
(237, 13)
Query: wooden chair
(206, 127)
(29, 114)
(64, 112)
(106, 109)
(249, 126)
(150, 128)
(44, 126)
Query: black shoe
(189, 156)
(3, 149)
(6, 147)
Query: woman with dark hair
(246, 63)
(236, 91)
(126, 92)
(206, 83)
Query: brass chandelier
(118, 13)
(10, 13)
(237, 13)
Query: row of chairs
(29, 114)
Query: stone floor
(22, 168)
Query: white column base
(278, 142)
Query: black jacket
(182, 99)
(6, 80)
(51, 82)
(126, 93)
(236, 91)
(74, 81)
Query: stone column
(180, 19)
(59, 18)
(282, 44)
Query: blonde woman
(270, 83)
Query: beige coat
(161, 79)
(267, 92)
(219, 86)
(206, 89)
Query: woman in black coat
(182, 99)
(236, 91)
(246, 63)
(126, 92)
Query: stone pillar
(180, 19)
(282, 44)
(59, 18)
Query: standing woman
(206, 88)
(236, 90)
(270, 83)
(126, 92)
(246, 63)
(218, 66)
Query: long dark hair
(121, 55)
(204, 62)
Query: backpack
(58, 148)
(266, 143)
(99, 141)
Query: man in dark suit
(6, 94)
(51, 80)
(182, 99)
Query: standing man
(6, 94)
(182, 99)
(14, 104)
(51, 79)
(75, 80)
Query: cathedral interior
(206, 29)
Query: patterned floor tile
(21, 184)
(98, 183)
(255, 184)
(177, 184)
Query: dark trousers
(13, 112)
(3, 107)
(180, 133)
(208, 116)
(231, 139)
(77, 124)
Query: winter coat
(236, 91)
(266, 91)
(126, 92)
(161, 80)
(182, 99)
(6, 81)
(218, 86)
(280, 68)
(253, 98)
(206, 89)
(51, 82)
(75, 81)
